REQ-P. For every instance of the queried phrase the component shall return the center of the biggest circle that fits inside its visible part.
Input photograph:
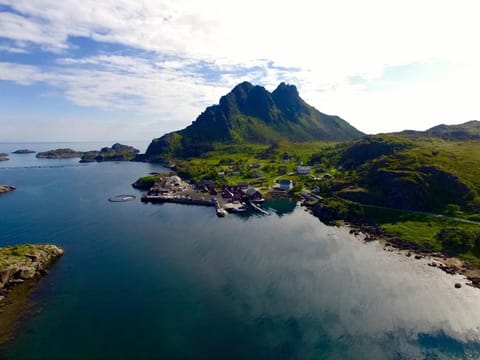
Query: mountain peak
(284, 88)
(250, 113)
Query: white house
(286, 185)
(303, 170)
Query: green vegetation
(254, 163)
(146, 182)
(59, 154)
(22, 254)
(430, 233)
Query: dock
(221, 212)
(176, 200)
(258, 208)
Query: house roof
(285, 182)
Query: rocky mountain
(251, 114)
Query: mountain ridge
(250, 113)
(469, 130)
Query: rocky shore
(6, 188)
(22, 262)
(450, 265)
(21, 266)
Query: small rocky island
(6, 188)
(4, 157)
(59, 154)
(23, 151)
(117, 152)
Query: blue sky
(134, 70)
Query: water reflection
(174, 281)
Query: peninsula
(20, 267)
(418, 190)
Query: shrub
(458, 240)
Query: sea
(150, 281)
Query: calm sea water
(142, 281)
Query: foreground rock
(59, 154)
(20, 268)
(6, 188)
(23, 151)
(117, 152)
(21, 262)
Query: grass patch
(425, 231)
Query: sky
(134, 69)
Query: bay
(173, 281)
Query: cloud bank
(381, 65)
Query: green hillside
(467, 131)
(251, 114)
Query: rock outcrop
(21, 262)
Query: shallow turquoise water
(172, 281)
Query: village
(225, 198)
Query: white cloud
(325, 42)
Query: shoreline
(448, 264)
(21, 269)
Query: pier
(177, 200)
(258, 208)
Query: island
(4, 157)
(20, 267)
(117, 152)
(6, 188)
(23, 151)
(417, 191)
(59, 154)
